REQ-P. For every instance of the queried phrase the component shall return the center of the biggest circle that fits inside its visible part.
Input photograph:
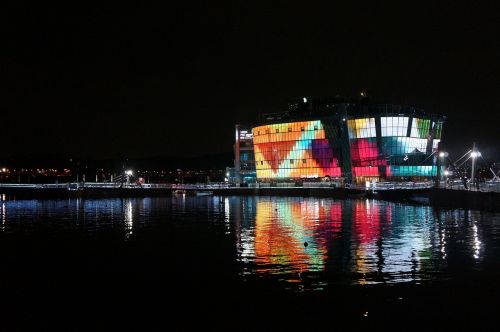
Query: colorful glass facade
(294, 150)
(420, 128)
(373, 147)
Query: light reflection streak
(3, 215)
(366, 222)
(407, 252)
(477, 244)
(442, 243)
(128, 218)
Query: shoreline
(436, 197)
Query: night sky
(96, 81)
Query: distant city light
(4, 170)
(441, 154)
(446, 173)
(129, 172)
(304, 99)
(227, 174)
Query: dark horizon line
(115, 157)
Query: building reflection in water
(365, 241)
(297, 239)
(287, 237)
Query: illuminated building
(361, 141)
(244, 164)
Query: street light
(128, 173)
(443, 154)
(474, 154)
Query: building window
(291, 161)
(289, 129)
(277, 130)
(262, 162)
(304, 161)
(302, 129)
(315, 127)
(394, 126)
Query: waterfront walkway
(488, 186)
(421, 193)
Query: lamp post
(128, 173)
(440, 153)
(474, 154)
(441, 159)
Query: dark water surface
(260, 263)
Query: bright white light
(441, 154)
(304, 99)
(367, 184)
(475, 154)
(446, 173)
(227, 174)
(4, 169)
(129, 172)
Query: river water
(245, 258)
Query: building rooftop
(307, 107)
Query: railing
(218, 185)
(80, 185)
(488, 186)
(34, 186)
(104, 185)
(399, 185)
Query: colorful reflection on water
(295, 240)
(354, 241)
(288, 237)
